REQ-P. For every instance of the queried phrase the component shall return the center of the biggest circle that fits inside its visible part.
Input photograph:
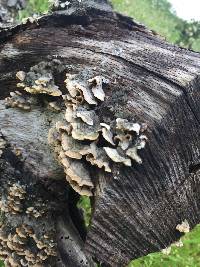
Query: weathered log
(136, 209)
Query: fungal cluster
(24, 239)
(14, 246)
(58, 3)
(39, 80)
(2, 145)
(82, 138)
(167, 251)
(13, 203)
(17, 100)
(32, 211)
(184, 227)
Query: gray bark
(135, 209)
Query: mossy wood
(135, 209)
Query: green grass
(158, 16)
(84, 204)
(186, 256)
(34, 7)
(154, 14)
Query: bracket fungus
(39, 80)
(17, 100)
(22, 242)
(167, 251)
(72, 148)
(78, 87)
(2, 144)
(98, 157)
(54, 106)
(107, 133)
(184, 227)
(81, 138)
(13, 202)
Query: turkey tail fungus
(93, 103)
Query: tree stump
(135, 209)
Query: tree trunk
(136, 209)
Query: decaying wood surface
(135, 209)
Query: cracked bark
(135, 210)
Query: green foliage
(190, 34)
(84, 204)
(34, 7)
(155, 14)
(158, 16)
(187, 256)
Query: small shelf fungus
(2, 145)
(60, 4)
(167, 251)
(14, 201)
(82, 138)
(17, 100)
(22, 242)
(184, 227)
(39, 80)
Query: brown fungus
(2, 144)
(13, 201)
(124, 140)
(79, 174)
(79, 139)
(98, 157)
(82, 131)
(18, 242)
(21, 75)
(39, 80)
(54, 106)
(17, 100)
(70, 114)
(132, 151)
(73, 148)
(61, 126)
(87, 116)
(74, 102)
